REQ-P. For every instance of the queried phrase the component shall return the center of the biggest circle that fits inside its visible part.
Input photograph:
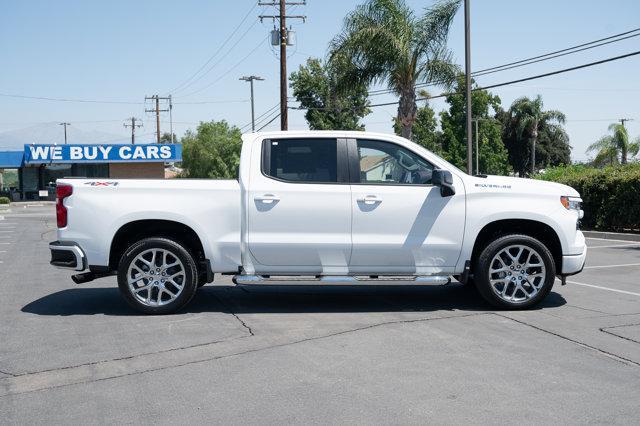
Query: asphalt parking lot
(295, 354)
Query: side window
(301, 160)
(388, 163)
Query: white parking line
(612, 266)
(616, 245)
(604, 288)
(607, 239)
(5, 232)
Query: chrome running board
(340, 280)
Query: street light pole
(65, 130)
(467, 66)
(250, 79)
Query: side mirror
(444, 180)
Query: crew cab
(325, 207)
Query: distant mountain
(52, 133)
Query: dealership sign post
(102, 153)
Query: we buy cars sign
(104, 153)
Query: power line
(235, 101)
(44, 98)
(260, 117)
(565, 49)
(590, 64)
(480, 73)
(533, 59)
(270, 121)
(219, 61)
(226, 72)
(520, 80)
(217, 51)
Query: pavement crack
(606, 330)
(7, 373)
(236, 316)
(125, 358)
(245, 352)
(610, 355)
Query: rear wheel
(514, 272)
(157, 276)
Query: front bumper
(574, 264)
(68, 255)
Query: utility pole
(283, 41)
(171, 118)
(477, 151)
(624, 120)
(65, 130)
(467, 69)
(250, 79)
(157, 110)
(133, 126)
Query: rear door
(401, 223)
(299, 206)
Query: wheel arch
(136, 230)
(533, 228)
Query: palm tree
(531, 118)
(383, 41)
(610, 146)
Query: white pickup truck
(323, 207)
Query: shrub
(611, 195)
(4, 200)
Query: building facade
(40, 165)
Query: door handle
(369, 199)
(267, 198)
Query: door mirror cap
(443, 179)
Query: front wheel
(514, 272)
(157, 276)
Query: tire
(505, 285)
(165, 290)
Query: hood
(521, 185)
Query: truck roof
(325, 133)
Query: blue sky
(124, 50)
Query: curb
(612, 235)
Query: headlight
(572, 203)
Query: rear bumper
(68, 255)
(573, 264)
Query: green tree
(314, 86)
(493, 157)
(166, 138)
(614, 148)
(213, 151)
(525, 120)
(425, 131)
(383, 41)
(553, 147)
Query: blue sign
(104, 153)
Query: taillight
(62, 192)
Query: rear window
(301, 160)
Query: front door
(401, 223)
(299, 207)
